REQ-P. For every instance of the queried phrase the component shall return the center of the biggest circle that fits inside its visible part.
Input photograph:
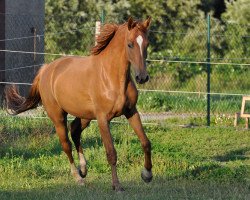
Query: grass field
(188, 163)
(188, 103)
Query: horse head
(137, 44)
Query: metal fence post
(208, 70)
(103, 16)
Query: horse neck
(114, 57)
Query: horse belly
(84, 112)
(75, 103)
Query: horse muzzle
(142, 79)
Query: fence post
(103, 16)
(97, 30)
(208, 70)
(98, 25)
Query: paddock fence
(198, 74)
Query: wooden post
(247, 122)
(236, 117)
(242, 112)
(97, 30)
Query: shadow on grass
(239, 154)
(160, 188)
(28, 153)
(49, 146)
(219, 173)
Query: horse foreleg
(77, 126)
(110, 151)
(135, 122)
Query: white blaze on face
(139, 40)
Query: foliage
(74, 14)
(237, 11)
(182, 104)
(178, 31)
(237, 29)
(67, 28)
(216, 7)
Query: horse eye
(130, 45)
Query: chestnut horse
(98, 87)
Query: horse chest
(118, 106)
(114, 102)
(121, 103)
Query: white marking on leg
(139, 40)
(75, 173)
(73, 168)
(146, 173)
(83, 167)
(82, 159)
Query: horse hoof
(80, 181)
(83, 173)
(118, 189)
(146, 175)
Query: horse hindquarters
(59, 119)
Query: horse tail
(16, 104)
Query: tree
(70, 25)
(66, 27)
(237, 30)
(237, 11)
(216, 7)
(170, 15)
(171, 18)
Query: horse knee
(112, 156)
(146, 146)
(66, 145)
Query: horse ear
(147, 22)
(130, 23)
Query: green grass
(165, 77)
(194, 163)
(187, 103)
(224, 78)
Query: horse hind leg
(77, 126)
(59, 119)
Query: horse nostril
(147, 78)
(137, 78)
